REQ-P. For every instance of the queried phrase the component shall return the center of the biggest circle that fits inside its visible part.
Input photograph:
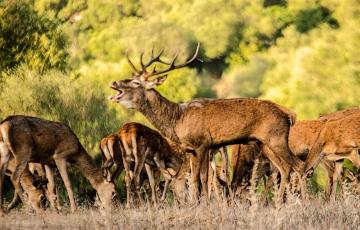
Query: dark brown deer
(338, 139)
(31, 139)
(202, 125)
(147, 148)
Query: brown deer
(112, 156)
(35, 195)
(302, 136)
(338, 139)
(202, 125)
(44, 173)
(31, 139)
(148, 148)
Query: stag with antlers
(202, 125)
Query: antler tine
(152, 52)
(131, 64)
(143, 67)
(153, 71)
(172, 65)
(155, 59)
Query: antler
(132, 65)
(158, 59)
(172, 65)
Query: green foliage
(316, 73)
(27, 37)
(300, 54)
(77, 102)
(243, 81)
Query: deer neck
(162, 113)
(89, 169)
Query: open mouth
(118, 96)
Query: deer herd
(181, 154)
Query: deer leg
(204, 164)
(128, 178)
(215, 186)
(21, 165)
(5, 156)
(335, 178)
(210, 186)
(61, 165)
(283, 167)
(128, 186)
(167, 182)
(225, 164)
(329, 167)
(13, 202)
(51, 190)
(117, 171)
(196, 167)
(150, 174)
(137, 170)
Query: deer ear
(160, 80)
(156, 82)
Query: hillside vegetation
(58, 57)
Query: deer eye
(135, 83)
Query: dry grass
(296, 214)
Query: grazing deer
(202, 125)
(112, 156)
(338, 139)
(44, 173)
(35, 195)
(31, 139)
(148, 148)
(303, 136)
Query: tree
(317, 72)
(27, 37)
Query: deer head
(131, 92)
(107, 195)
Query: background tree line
(58, 57)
